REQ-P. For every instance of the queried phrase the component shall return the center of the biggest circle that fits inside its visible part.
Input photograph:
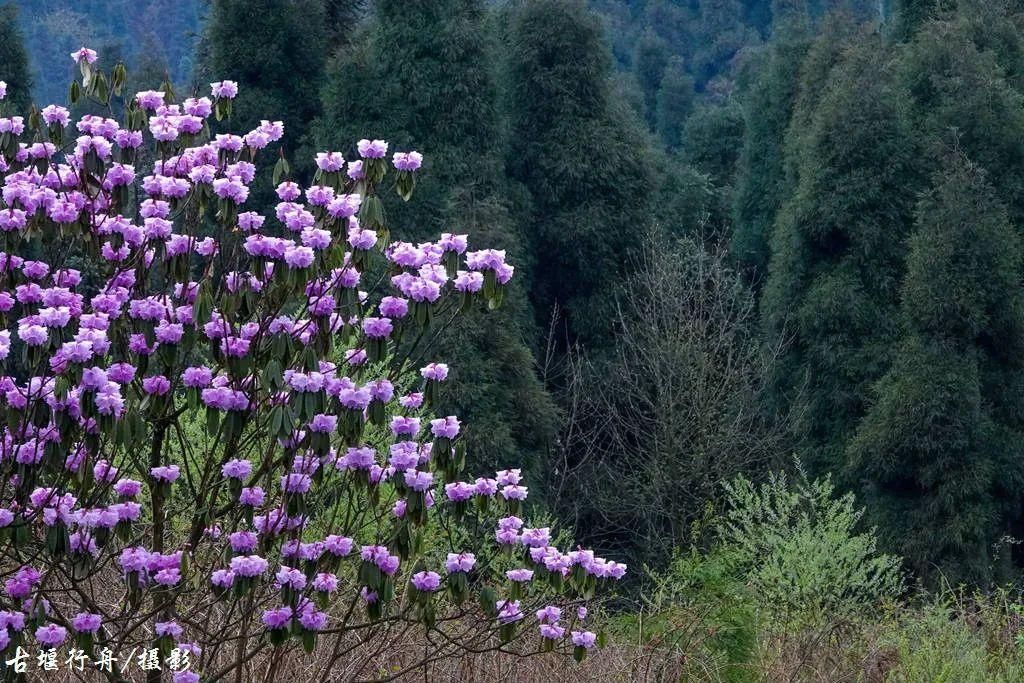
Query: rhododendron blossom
(226, 429)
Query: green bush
(801, 553)
(951, 640)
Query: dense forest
(751, 237)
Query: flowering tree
(216, 444)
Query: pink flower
(407, 161)
(460, 562)
(585, 639)
(227, 90)
(426, 581)
(51, 635)
(372, 149)
(84, 54)
(168, 473)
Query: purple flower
(361, 239)
(277, 618)
(127, 488)
(289, 576)
(407, 161)
(486, 487)
(311, 618)
(381, 390)
(168, 577)
(426, 581)
(168, 628)
(519, 575)
(514, 492)
(458, 491)
(11, 619)
(149, 99)
(122, 373)
(243, 541)
(51, 635)
(157, 385)
(84, 54)
(418, 481)
(222, 578)
(253, 496)
(435, 371)
(549, 614)
(469, 281)
(197, 377)
(447, 427)
(381, 557)
(329, 161)
(394, 307)
(459, 562)
(537, 538)
(372, 149)
(339, 546)
(585, 639)
(299, 257)
(227, 90)
(509, 611)
(236, 469)
(166, 473)
(408, 426)
(552, 631)
(85, 622)
(413, 400)
(296, 482)
(377, 328)
(248, 565)
(325, 582)
(323, 424)
(53, 114)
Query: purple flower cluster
(260, 363)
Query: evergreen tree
(420, 75)
(674, 103)
(941, 451)
(581, 159)
(837, 253)
(768, 97)
(649, 63)
(280, 79)
(712, 140)
(911, 14)
(342, 17)
(964, 81)
(14, 68)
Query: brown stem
(156, 493)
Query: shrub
(218, 438)
(801, 552)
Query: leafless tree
(653, 428)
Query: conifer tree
(281, 79)
(581, 159)
(960, 79)
(14, 67)
(837, 253)
(911, 14)
(768, 96)
(674, 103)
(420, 75)
(941, 452)
(649, 63)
